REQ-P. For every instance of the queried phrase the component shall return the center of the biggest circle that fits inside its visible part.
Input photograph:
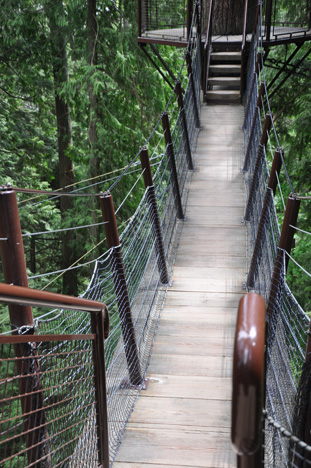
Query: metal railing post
(185, 133)
(258, 166)
(259, 238)
(189, 17)
(195, 102)
(275, 170)
(98, 322)
(251, 134)
(14, 269)
(172, 164)
(139, 11)
(154, 215)
(248, 382)
(285, 244)
(120, 284)
(255, 75)
(268, 19)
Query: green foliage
(130, 97)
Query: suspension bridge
(138, 370)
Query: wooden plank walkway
(183, 418)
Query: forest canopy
(77, 100)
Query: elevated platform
(183, 418)
(178, 37)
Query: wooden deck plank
(183, 418)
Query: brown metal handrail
(10, 294)
(36, 435)
(248, 381)
(207, 48)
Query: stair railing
(207, 50)
(243, 49)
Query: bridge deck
(183, 418)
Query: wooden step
(225, 70)
(223, 95)
(227, 82)
(226, 57)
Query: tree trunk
(92, 29)
(64, 131)
(228, 16)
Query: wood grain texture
(183, 418)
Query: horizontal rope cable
(300, 230)
(299, 266)
(52, 192)
(71, 267)
(130, 191)
(62, 230)
(280, 189)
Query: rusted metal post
(285, 244)
(21, 318)
(195, 102)
(248, 382)
(251, 134)
(139, 11)
(272, 184)
(172, 164)
(259, 238)
(184, 126)
(255, 75)
(275, 170)
(268, 19)
(154, 215)
(255, 183)
(258, 166)
(123, 300)
(198, 9)
(189, 17)
(100, 326)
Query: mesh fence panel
(288, 376)
(55, 419)
(164, 17)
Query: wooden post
(154, 215)
(184, 126)
(123, 300)
(285, 244)
(195, 102)
(14, 269)
(172, 164)
(99, 327)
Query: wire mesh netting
(290, 18)
(288, 377)
(164, 18)
(48, 403)
(132, 280)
